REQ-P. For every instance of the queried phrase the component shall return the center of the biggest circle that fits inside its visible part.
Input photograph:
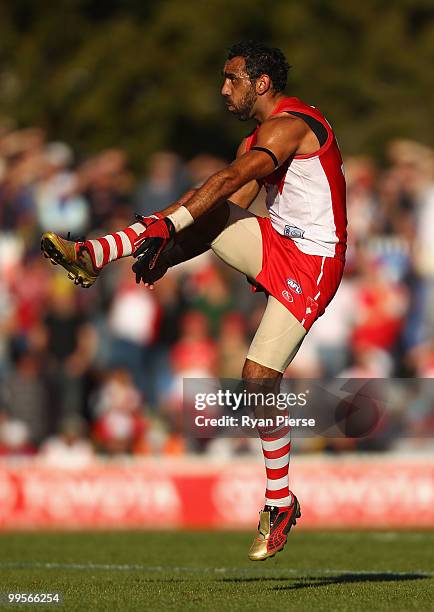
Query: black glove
(147, 276)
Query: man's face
(238, 91)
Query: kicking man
(296, 256)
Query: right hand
(149, 277)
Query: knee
(256, 373)
(249, 370)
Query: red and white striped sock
(114, 246)
(276, 446)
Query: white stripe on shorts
(322, 271)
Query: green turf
(209, 571)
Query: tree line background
(145, 75)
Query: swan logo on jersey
(288, 297)
(293, 231)
(292, 284)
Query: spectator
(65, 353)
(134, 320)
(70, 448)
(106, 184)
(120, 423)
(165, 183)
(60, 208)
(15, 439)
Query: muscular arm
(281, 135)
(181, 202)
(243, 197)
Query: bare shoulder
(283, 135)
(242, 148)
(285, 125)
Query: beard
(243, 111)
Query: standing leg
(275, 344)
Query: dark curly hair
(261, 59)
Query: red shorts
(304, 284)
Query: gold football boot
(273, 529)
(73, 256)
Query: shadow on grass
(308, 582)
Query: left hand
(156, 237)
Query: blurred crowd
(101, 370)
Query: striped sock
(276, 445)
(114, 246)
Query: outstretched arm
(195, 240)
(277, 140)
(281, 136)
(182, 201)
(243, 197)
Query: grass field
(209, 571)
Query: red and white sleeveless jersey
(306, 196)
